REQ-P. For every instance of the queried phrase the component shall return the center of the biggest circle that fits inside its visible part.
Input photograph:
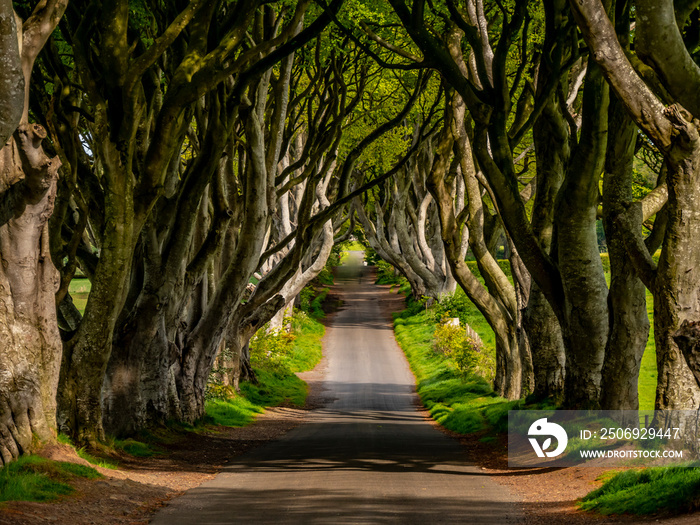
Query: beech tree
(194, 146)
(138, 87)
(674, 78)
(30, 346)
(402, 226)
(513, 88)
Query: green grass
(316, 306)
(648, 373)
(79, 289)
(468, 313)
(464, 404)
(130, 446)
(32, 478)
(467, 404)
(277, 380)
(98, 461)
(136, 448)
(669, 489)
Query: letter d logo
(543, 428)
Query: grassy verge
(648, 491)
(276, 358)
(463, 403)
(32, 478)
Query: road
(368, 456)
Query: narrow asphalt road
(366, 457)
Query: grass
(79, 289)
(648, 373)
(276, 366)
(348, 247)
(461, 403)
(97, 461)
(468, 313)
(316, 306)
(82, 453)
(32, 478)
(139, 449)
(136, 448)
(658, 489)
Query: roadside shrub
(270, 349)
(305, 297)
(466, 353)
(326, 276)
(453, 305)
(386, 274)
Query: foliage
(325, 277)
(96, 460)
(467, 354)
(276, 358)
(32, 478)
(269, 348)
(387, 274)
(455, 400)
(458, 305)
(311, 301)
(671, 489)
(99, 460)
(135, 448)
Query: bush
(325, 277)
(453, 305)
(386, 274)
(305, 297)
(270, 349)
(467, 355)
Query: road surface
(366, 457)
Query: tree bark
(676, 281)
(551, 142)
(11, 77)
(30, 345)
(687, 338)
(629, 322)
(585, 290)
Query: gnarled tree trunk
(30, 345)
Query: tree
(30, 346)
(675, 281)
(140, 92)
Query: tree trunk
(585, 290)
(30, 345)
(677, 289)
(552, 153)
(629, 322)
(136, 391)
(546, 345)
(86, 355)
(687, 338)
(508, 382)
